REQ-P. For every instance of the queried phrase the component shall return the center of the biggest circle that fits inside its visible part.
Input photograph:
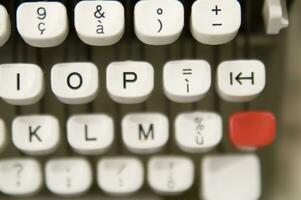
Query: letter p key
(129, 77)
(130, 82)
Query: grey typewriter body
(280, 162)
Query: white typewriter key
(90, 134)
(198, 131)
(275, 16)
(68, 176)
(120, 175)
(186, 81)
(230, 177)
(158, 22)
(99, 23)
(5, 26)
(20, 176)
(145, 132)
(240, 80)
(3, 137)
(75, 83)
(215, 22)
(21, 84)
(130, 82)
(36, 134)
(170, 175)
(42, 24)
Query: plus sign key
(241, 80)
(214, 21)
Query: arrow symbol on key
(239, 78)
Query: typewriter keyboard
(146, 99)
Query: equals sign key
(187, 71)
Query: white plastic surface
(158, 22)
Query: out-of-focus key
(36, 134)
(21, 84)
(186, 81)
(90, 134)
(275, 16)
(20, 176)
(120, 175)
(230, 177)
(214, 21)
(198, 131)
(170, 175)
(42, 24)
(68, 176)
(99, 23)
(240, 80)
(75, 83)
(3, 137)
(145, 132)
(252, 130)
(5, 26)
(158, 22)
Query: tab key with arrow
(240, 80)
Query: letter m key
(145, 134)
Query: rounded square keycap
(252, 130)
(198, 131)
(240, 80)
(145, 132)
(230, 177)
(21, 83)
(90, 134)
(130, 82)
(42, 24)
(215, 21)
(186, 81)
(75, 83)
(36, 134)
(120, 175)
(170, 175)
(158, 22)
(5, 26)
(99, 23)
(20, 176)
(68, 176)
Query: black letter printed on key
(129, 77)
(33, 133)
(150, 132)
(74, 75)
(87, 138)
(18, 81)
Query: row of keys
(102, 23)
(131, 82)
(142, 133)
(45, 24)
(225, 177)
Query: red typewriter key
(252, 130)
